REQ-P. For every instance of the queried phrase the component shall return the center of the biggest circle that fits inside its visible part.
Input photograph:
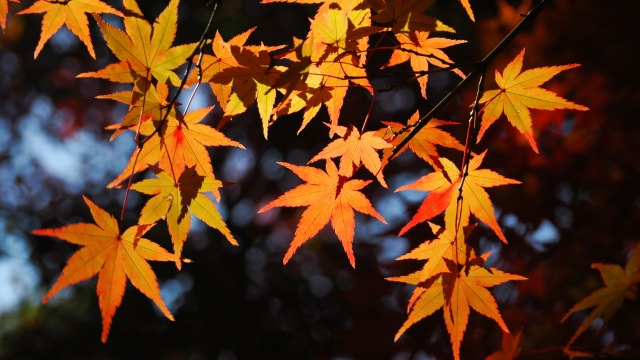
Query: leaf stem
(472, 132)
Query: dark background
(579, 202)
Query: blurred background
(579, 202)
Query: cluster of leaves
(312, 73)
(174, 145)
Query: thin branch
(147, 83)
(421, 73)
(472, 132)
(366, 119)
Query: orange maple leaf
(619, 284)
(221, 59)
(295, 82)
(457, 292)
(4, 10)
(72, 13)
(444, 247)
(326, 63)
(421, 50)
(467, 7)
(339, 72)
(175, 199)
(114, 257)
(329, 61)
(520, 91)
(354, 149)
(406, 15)
(253, 79)
(423, 144)
(329, 197)
(443, 187)
(342, 24)
(146, 102)
(144, 51)
(510, 348)
(181, 142)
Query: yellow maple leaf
(72, 13)
(619, 284)
(520, 91)
(114, 257)
(144, 50)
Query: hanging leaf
(520, 91)
(421, 51)
(114, 257)
(443, 187)
(4, 10)
(181, 142)
(423, 144)
(619, 284)
(71, 13)
(175, 198)
(458, 290)
(354, 149)
(329, 197)
(143, 50)
(510, 348)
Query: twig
(472, 132)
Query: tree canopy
(292, 147)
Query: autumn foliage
(307, 76)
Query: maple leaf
(4, 10)
(520, 91)
(341, 24)
(339, 73)
(443, 187)
(303, 91)
(221, 59)
(144, 51)
(186, 142)
(72, 14)
(175, 199)
(293, 81)
(253, 79)
(421, 50)
(406, 15)
(423, 144)
(510, 348)
(329, 197)
(354, 149)
(444, 247)
(327, 63)
(114, 257)
(619, 284)
(181, 142)
(146, 102)
(457, 292)
(467, 7)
